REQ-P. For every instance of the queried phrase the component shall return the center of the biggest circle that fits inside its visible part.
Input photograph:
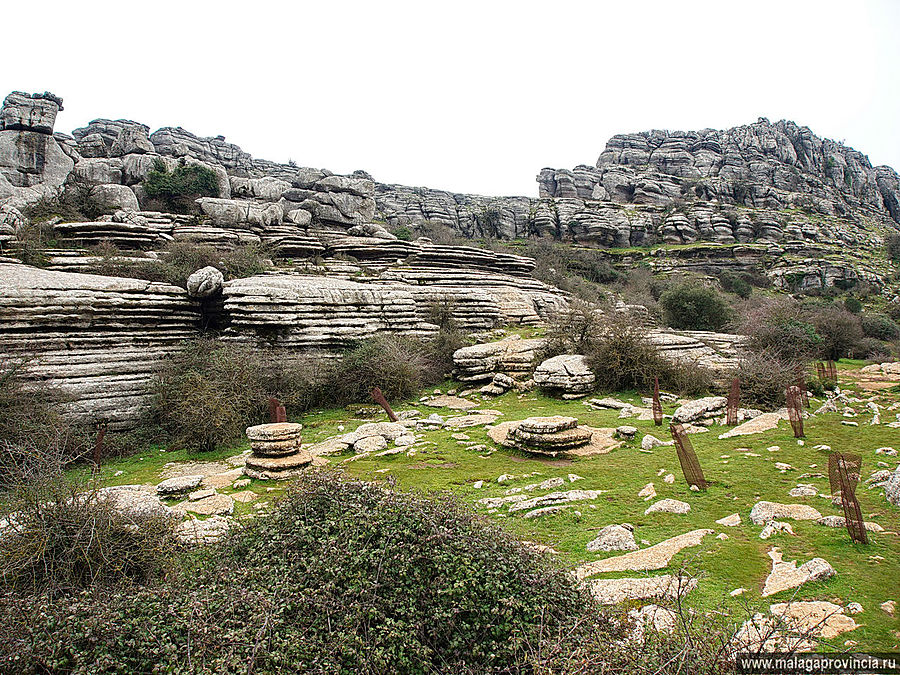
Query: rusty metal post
(844, 472)
(795, 413)
(379, 398)
(832, 372)
(657, 405)
(843, 466)
(690, 465)
(98, 445)
(820, 372)
(801, 385)
(734, 399)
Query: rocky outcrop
(567, 373)
(30, 156)
(762, 165)
(317, 313)
(96, 339)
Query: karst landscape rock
(526, 432)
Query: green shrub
(178, 260)
(402, 233)
(575, 270)
(870, 348)
(880, 327)
(892, 246)
(177, 189)
(32, 416)
(694, 307)
(736, 283)
(574, 330)
(399, 366)
(840, 330)
(853, 305)
(343, 576)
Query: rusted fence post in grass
(734, 399)
(820, 372)
(690, 465)
(277, 412)
(843, 464)
(832, 372)
(657, 406)
(801, 385)
(795, 413)
(379, 398)
(843, 475)
(98, 445)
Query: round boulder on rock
(567, 373)
(205, 283)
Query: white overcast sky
(466, 96)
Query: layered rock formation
(95, 339)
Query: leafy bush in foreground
(344, 576)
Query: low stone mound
(567, 373)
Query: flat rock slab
(765, 422)
(196, 532)
(817, 618)
(652, 558)
(245, 496)
(277, 467)
(555, 498)
(176, 469)
(452, 402)
(210, 506)
(664, 587)
(224, 479)
(179, 484)
(466, 421)
(763, 512)
(786, 575)
(668, 506)
(602, 440)
(279, 431)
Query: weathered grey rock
(132, 139)
(668, 506)
(205, 283)
(892, 488)
(700, 410)
(196, 532)
(613, 538)
(29, 112)
(786, 575)
(763, 512)
(664, 587)
(99, 340)
(179, 484)
(514, 357)
(655, 557)
(567, 373)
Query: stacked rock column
(277, 451)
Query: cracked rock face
(613, 538)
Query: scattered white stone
(737, 591)
(668, 506)
(763, 512)
(505, 478)
(574, 476)
(804, 490)
(774, 526)
(648, 492)
(730, 521)
(669, 478)
(478, 484)
(854, 608)
(786, 575)
(614, 538)
(889, 607)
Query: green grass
(738, 482)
